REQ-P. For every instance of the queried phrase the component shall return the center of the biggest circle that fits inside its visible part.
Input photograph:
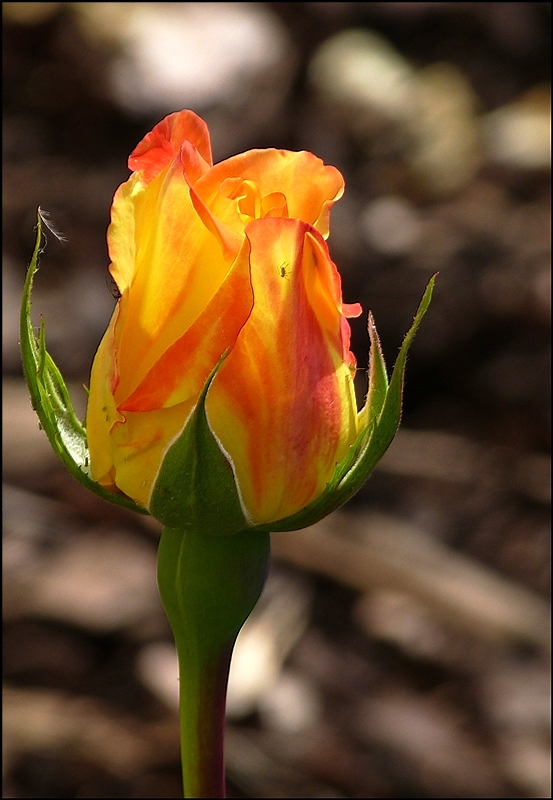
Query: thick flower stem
(209, 586)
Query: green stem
(208, 585)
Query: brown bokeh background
(401, 646)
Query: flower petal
(101, 411)
(283, 403)
(139, 444)
(163, 144)
(172, 269)
(181, 372)
(309, 186)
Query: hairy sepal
(50, 397)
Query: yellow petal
(282, 405)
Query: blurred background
(401, 646)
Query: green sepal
(50, 397)
(379, 419)
(195, 488)
(378, 381)
(386, 421)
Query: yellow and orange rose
(222, 259)
(221, 396)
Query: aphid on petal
(283, 270)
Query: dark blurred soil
(402, 646)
